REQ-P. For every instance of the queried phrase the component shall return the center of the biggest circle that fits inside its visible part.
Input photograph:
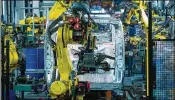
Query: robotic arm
(134, 11)
(13, 55)
(70, 28)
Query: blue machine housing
(34, 62)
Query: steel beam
(149, 67)
(105, 86)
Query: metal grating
(164, 54)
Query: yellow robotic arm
(68, 32)
(134, 11)
(131, 13)
(63, 61)
(59, 7)
(64, 65)
(13, 55)
(144, 17)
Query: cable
(88, 44)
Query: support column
(36, 5)
(149, 57)
(47, 4)
(20, 12)
(1, 9)
(4, 10)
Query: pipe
(10, 15)
(7, 10)
(54, 29)
(22, 95)
(2, 13)
(2, 66)
(88, 44)
(14, 4)
(110, 57)
(50, 30)
(54, 23)
(7, 70)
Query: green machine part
(22, 87)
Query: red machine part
(88, 85)
(78, 32)
(85, 85)
(77, 20)
(75, 23)
(71, 20)
(74, 20)
(77, 26)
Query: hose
(51, 29)
(88, 44)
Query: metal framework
(164, 65)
